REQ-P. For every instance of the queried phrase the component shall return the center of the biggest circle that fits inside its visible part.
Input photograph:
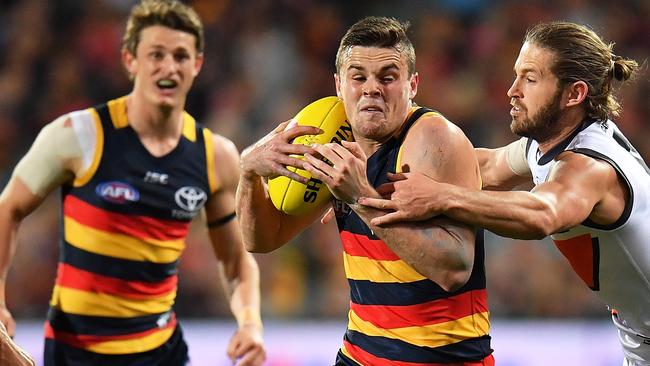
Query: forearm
(260, 222)
(497, 172)
(516, 214)
(434, 251)
(244, 290)
(8, 232)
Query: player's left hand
(408, 197)
(246, 347)
(346, 177)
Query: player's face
(164, 66)
(376, 90)
(535, 94)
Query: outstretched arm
(238, 267)
(579, 187)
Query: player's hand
(327, 216)
(246, 347)
(408, 197)
(270, 156)
(7, 319)
(346, 177)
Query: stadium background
(264, 61)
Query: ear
(198, 63)
(337, 82)
(129, 62)
(415, 80)
(576, 93)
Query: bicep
(576, 184)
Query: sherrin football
(293, 197)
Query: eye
(387, 79)
(157, 55)
(359, 78)
(179, 57)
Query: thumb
(394, 177)
(328, 216)
(285, 125)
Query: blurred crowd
(264, 61)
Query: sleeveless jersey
(397, 315)
(124, 226)
(613, 260)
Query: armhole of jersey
(84, 177)
(398, 162)
(209, 160)
(627, 210)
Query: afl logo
(117, 192)
(190, 198)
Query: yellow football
(293, 197)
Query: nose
(371, 88)
(514, 91)
(169, 64)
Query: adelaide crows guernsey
(613, 260)
(124, 226)
(398, 316)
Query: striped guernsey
(124, 224)
(398, 316)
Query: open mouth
(372, 109)
(166, 84)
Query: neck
(567, 123)
(150, 121)
(158, 128)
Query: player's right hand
(270, 156)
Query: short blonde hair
(168, 13)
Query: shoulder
(224, 161)
(573, 164)
(433, 129)
(223, 147)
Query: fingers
(284, 125)
(255, 356)
(328, 216)
(386, 190)
(318, 168)
(378, 203)
(232, 349)
(389, 218)
(394, 177)
(296, 131)
(355, 149)
(244, 351)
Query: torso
(125, 222)
(397, 314)
(612, 259)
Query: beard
(542, 125)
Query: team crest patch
(117, 192)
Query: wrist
(248, 317)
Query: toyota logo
(190, 198)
